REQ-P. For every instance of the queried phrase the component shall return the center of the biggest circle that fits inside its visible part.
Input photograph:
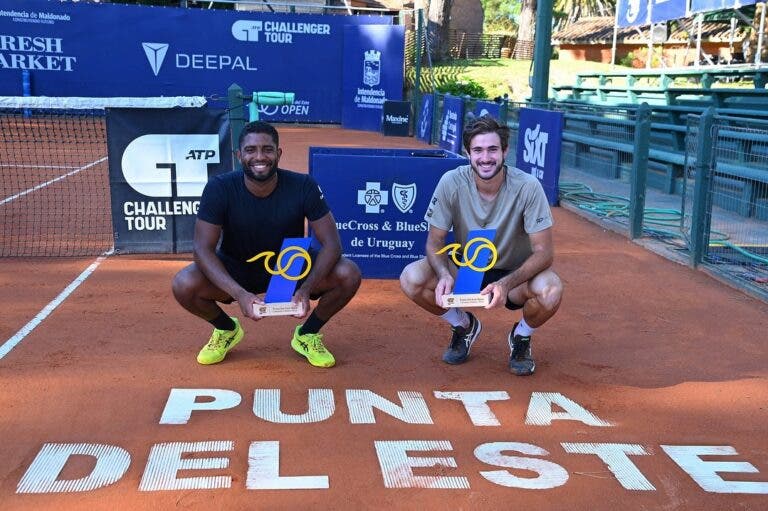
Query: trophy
(285, 275)
(479, 256)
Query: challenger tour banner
(79, 49)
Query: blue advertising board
(718, 5)
(104, 50)
(378, 198)
(372, 74)
(424, 126)
(664, 10)
(451, 124)
(632, 13)
(487, 108)
(539, 140)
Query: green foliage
(627, 59)
(501, 16)
(464, 87)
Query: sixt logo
(155, 53)
(535, 146)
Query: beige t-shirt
(519, 209)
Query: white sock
(523, 329)
(456, 317)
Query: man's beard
(248, 172)
(499, 167)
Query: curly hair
(482, 125)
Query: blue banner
(718, 5)
(424, 126)
(539, 139)
(379, 198)
(373, 73)
(451, 124)
(632, 13)
(103, 50)
(665, 10)
(487, 108)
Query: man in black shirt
(252, 212)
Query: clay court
(650, 392)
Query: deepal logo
(156, 164)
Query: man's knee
(187, 284)
(410, 281)
(551, 292)
(348, 274)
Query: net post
(236, 113)
(639, 170)
(700, 215)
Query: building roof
(599, 30)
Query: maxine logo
(153, 164)
(535, 146)
(372, 198)
(155, 53)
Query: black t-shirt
(253, 224)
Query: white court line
(43, 185)
(12, 165)
(46, 311)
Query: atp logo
(372, 197)
(155, 53)
(535, 146)
(154, 165)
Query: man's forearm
(535, 264)
(326, 259)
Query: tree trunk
(525, 33)
(439, 17)
(751, 52)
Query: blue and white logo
(372, 68)
(404, 196)
(372, 198)
(535, 146)
(155, 53)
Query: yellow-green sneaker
(220, 343)
(311, 346)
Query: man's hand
(247, 300)
(301, 296)
(498, 291)
(444, 287)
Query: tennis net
(54, 173)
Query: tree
(501, 15)
(526, 31)
(437, 27)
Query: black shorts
(493, 275)
(252, 276)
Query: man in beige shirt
(486, 194)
